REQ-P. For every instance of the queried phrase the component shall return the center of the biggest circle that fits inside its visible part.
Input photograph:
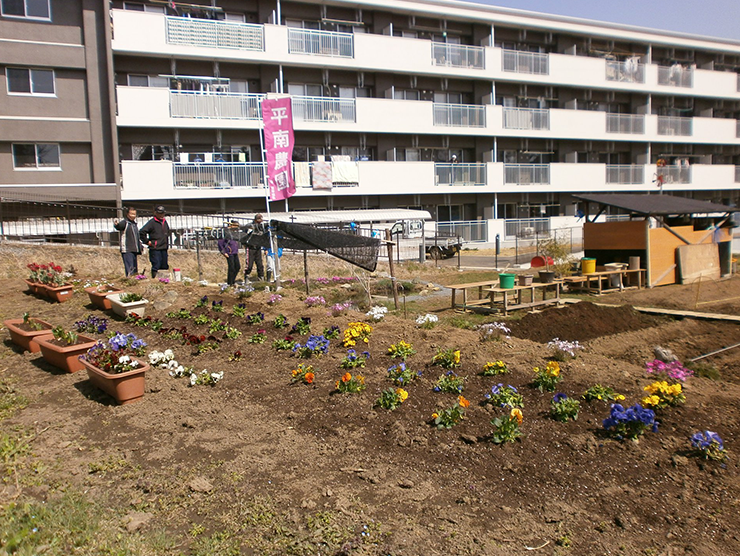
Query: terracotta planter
(27, 338)
(60, 294)
(525, 279)
(100, 299)
(34, 287)
(125, 309)
(547, 276)
(124, 387)
(66, 358)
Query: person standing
(228, 246)
(130, 241)
(254, 252)
(155, 234)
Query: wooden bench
(594, 282)
(464, 287)
(513, 298)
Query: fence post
(69, 220)
(516, 249)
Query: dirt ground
(257, 465)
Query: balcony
(626, 72)
(676, 76)
(459, 115)
(458, 56)
(674, 125)
(526, 174)
(625, 174)
(321, 43)
(625, 123)
(737, 174)
(214, 34)
(526, 62)
(225, 106)
(675, 174)
(323, 109)
(460, 174)
(526, 118)
(218, 175)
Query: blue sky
(715, 18)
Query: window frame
(31, 92)
(37, 167)
(25, 12)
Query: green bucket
(506, 280)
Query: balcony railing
(468, 230)
(526, 62)
(321, 43)
(675, 174)
(225, 106)
(526, 118)
(628, 72)
(737, 128)
(626, 174)
(737, 174)
(214, 34)
(458, 56)
(459, 115)
(218, 175)
(526, 227)
(675, 76)
(460, 174)
(527, 174)
(625, 123)
(323, 109)
(674, 125)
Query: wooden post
(305, 269)
(392, 269)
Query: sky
(713, 18)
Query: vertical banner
(277, 118)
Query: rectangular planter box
(100, 299)
(124, 387)
(26, 339)
(66, 358)
(60, 294)
(125, 309)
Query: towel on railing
(302, 174)
(322, 175)
(345, 172)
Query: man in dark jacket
(130, 241)
(155, 234)
(228, 246)
(254, 252)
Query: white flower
(193, 379)
(217, 376)
(154, 357)
(428, 318)
(171, 364)
(124, 359)
(169, 355)
(377, 312)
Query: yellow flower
(457, 356)
(620, 397)
(651, 400)
(402, 394)
(463, 402)
(553, 368)
(435, 415)
(516, 413)
(360, 378)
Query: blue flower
(559, 397)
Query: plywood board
(698, 261)
(663, 246)
(624, 235)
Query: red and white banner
(277, 118)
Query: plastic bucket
(588, 266)
(506, 280)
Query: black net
(358, 250)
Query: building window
(30, 81)
(148, 81)
(36, 9)
(36, 156)
(135, 6)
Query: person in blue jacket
(155, 234)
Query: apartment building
(57, 129)
(468, 111)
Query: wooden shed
(678, 240)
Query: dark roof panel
(662, 205)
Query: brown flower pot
(525, 279)
(25, 337)
(99, 299)
(34, 287)
(60, 294)
(547, 276)
(65, 357)
(124, 387)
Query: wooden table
(464, 287)
(516, 298)
(594, 282)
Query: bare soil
(264, 460)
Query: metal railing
(527, 174)
(214, 34)
(225, 106)
(625, 173)
(321, 43)
(526, 118)
(625, 123)
(217, 175)
(458, 56)
(675, 174)
(460, 174)
(629, 72)
(468, 230)
(737, 174)
(675, 76)
(324, 109)
(526, 62)
(526, 227)
(675, 125)
(459, 115)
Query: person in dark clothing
(228, 246)
(130, 241)
(254, 253)
(155, 234)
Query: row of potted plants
(50, 281)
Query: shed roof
(662, 205)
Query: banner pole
(271, 261)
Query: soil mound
(580, 321)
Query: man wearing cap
(155, 234)
(130, 241)
(228, 246)
(254, 252)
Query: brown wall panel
(614, 235)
